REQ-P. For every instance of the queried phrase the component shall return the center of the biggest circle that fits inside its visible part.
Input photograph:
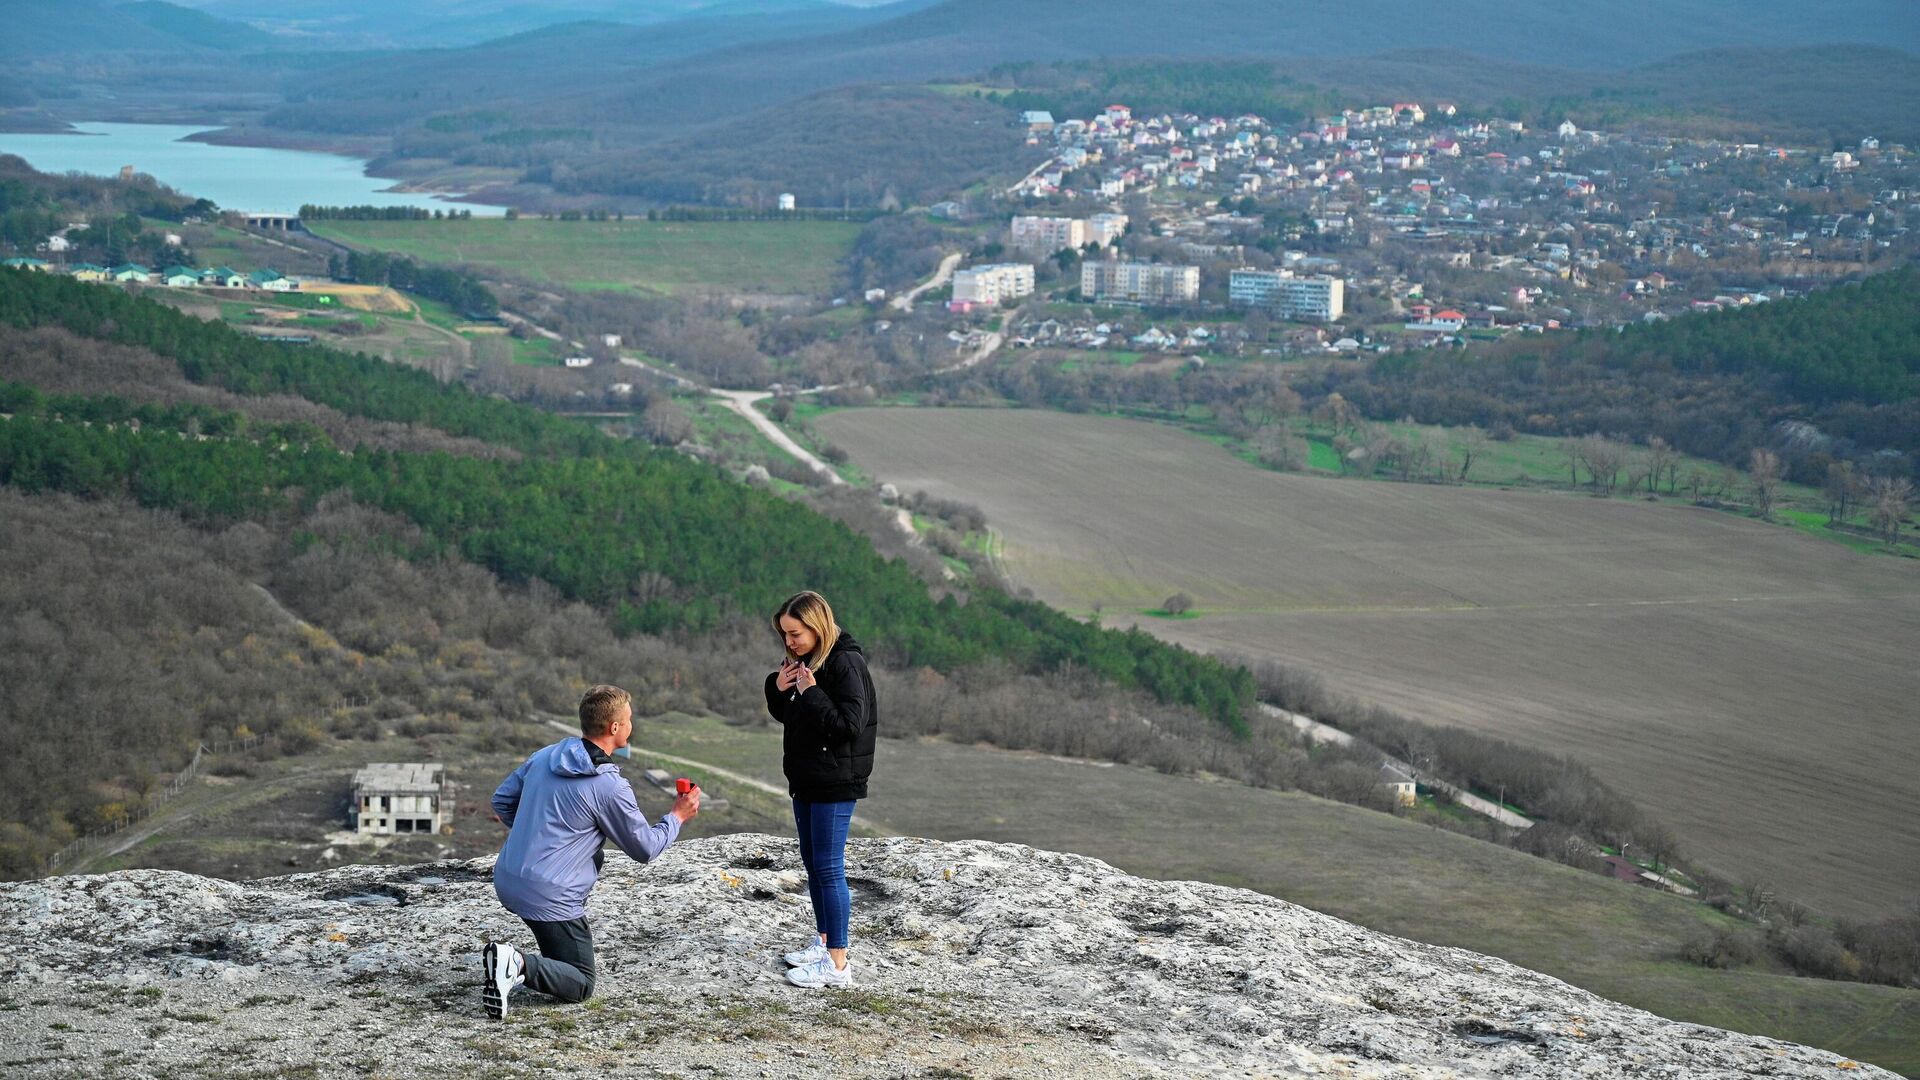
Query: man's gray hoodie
(558, 806)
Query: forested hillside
(35, 205)
(659, 542)
(1813, 93)
(39, 27)
(1845, 361)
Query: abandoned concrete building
(399, 799)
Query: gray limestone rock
(971, 959)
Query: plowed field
(1756, 688)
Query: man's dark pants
(564, 967)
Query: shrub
(1725, 947)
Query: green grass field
(1380, 871)
(756, 257)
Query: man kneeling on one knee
(558, 806)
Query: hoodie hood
(845, 643)
(573, 757)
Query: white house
(578, 361)
(400, 798)
(1401, 787)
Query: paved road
(905, 301)
(1319, 732)
(741, 402)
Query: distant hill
(197, 27)
(38, 28)
(708, 70)
(958, 37)
(559, 72)
(453, 23)
(1815, 93)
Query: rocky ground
(972, 959)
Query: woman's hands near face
(789, 671)
(802, 676)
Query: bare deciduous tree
(1891, 497)
(1696, 484)
(1604, 458)
(666, 423)
(1280, 448)
(1763, 473)
(1473, 443)
(1661, 459)
(1840, 489)
(1436, 454)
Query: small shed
(391, 798)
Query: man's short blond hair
(600, 708)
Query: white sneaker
(812, 954)
(503, 968)
(822, 974)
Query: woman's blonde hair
(814, 613)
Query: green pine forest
(601, 520)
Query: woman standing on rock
(823, 696)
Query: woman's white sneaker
(812, 954)
(822, 974)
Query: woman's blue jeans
(823, 848)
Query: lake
(247, 178)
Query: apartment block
(1319, 297)
(993, 284)
(1046, 235)
(1104, 229)
(1146, 283)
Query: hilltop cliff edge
(973, 959)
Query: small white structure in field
(786, 200)
(611, 341)
(400, 799)
(578, 361)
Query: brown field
(375, 298)
(1753, 686)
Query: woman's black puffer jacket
(830, 727)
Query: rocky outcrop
(973, 959)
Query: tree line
(311, 212)
(455, 288)
(1834, 376)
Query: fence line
(157, 799)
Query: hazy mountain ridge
(36, 28)
(955, 39)
(695, 74)
(526, 72)
(444, 23)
